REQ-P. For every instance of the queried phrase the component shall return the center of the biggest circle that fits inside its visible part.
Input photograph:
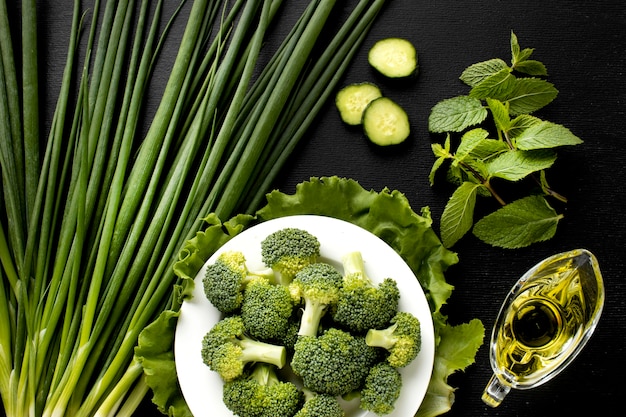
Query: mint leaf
(442, 153)
(520, 61)
(531, 67)
(515, 165)
(529, 95)
(469, 141)
(515, 48)
(478, 172)
(523, 144)
(521, 123)
(500, 114)
(456, 175)
(545, 135)
(436, 165)
(488, 149)
(439, 150)
(499, 86)
(476, 73)
(458, 215)
(456, 114)
(518, 224)
(523, 56)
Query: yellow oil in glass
(547, 318)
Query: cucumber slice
(385, 122)
(393, 57)
(353, 99)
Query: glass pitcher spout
(544, 322)
(495, 391)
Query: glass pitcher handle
(495, 391)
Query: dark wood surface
(583, 46)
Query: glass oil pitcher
(544, 322)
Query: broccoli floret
(262, 394)
(320, 405)
(402, 339)
(334, 363)
(318, 286)
(266, 310)
(289, 250)
(291, 335)
(363, 305)
(381, 389)
(226, 349)
(227, 277)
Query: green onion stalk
(95, 210)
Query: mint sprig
(499, 141)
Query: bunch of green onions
(94, 213)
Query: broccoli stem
(264, 374)
(262, 274)
(354, 267)
(383, 338)
(311, 317)
(257, 351)
(283, 279)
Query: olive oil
(545, 320)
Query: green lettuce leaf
(387, 214)
(455, 352)
(155, 353)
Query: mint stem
(484, 182)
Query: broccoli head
(261, 393)
(227, 277)
(334, 363)
(288, 250)
(226, 349)
(266, 310)
(402, 339)
(381, 389)
(318, 286)
(291, 335)
(320, 405)
(363, 305)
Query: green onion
(94, 214)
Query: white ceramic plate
(202, 388)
